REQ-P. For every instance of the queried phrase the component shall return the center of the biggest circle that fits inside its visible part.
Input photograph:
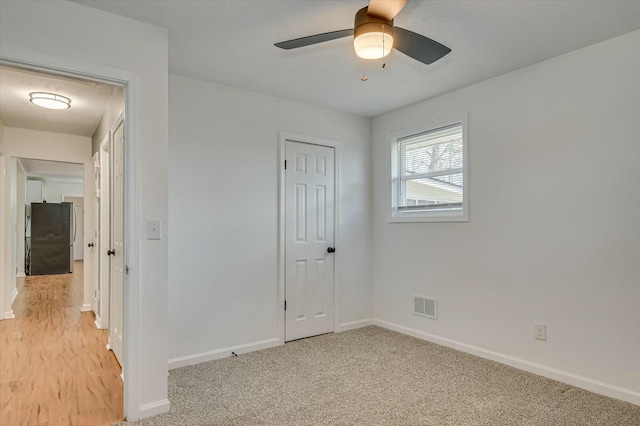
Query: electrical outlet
(540, 331)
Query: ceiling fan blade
(386, 9)
(309, 40)
(417, 46)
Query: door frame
(104, 231)
(92, 71)
(293, 137)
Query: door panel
(116, 331)
(94, 239)
(105, 233)
(309, 232)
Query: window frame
(397, 216)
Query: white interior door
(93, 239)
(309, 235)
(104, 292)
(116, 321)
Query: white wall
(36, 144)
(223, 208)
(21, 191)
(553, 234)
(72, 37)
(1, 137)
(9, 226)
(53, 190)
(4, 203)
(13, 239)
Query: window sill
(421, 218)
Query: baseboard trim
(97, 323)
(20, 275)
(154, 408)
(86, 307)
(198, 358)
(352, 325)
(519, 363)
(8, 315)
(14, 294)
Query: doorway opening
(55, 237)
(50, 217)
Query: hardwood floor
(54, 367)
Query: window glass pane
(429, 176)
(433, 151)
(433, 191)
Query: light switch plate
(154, 229)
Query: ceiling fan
(375, 35)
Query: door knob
(111, 252)
(90, 245)
(331, 250)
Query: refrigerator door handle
(75, 224)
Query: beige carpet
(373, 376)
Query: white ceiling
(57, 170)
(88, 102)
(231, 43)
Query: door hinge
(285, 164)
(285, 305)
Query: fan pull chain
(384, 61)
(364, 71)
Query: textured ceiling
(231, 43)
(88, 102)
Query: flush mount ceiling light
(50, 100)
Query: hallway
(54, 368)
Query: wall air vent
(425, 307)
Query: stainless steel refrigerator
(51, 245)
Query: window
(430, 175)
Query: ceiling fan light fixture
(50, 100)
(374, 35)
(374, 44)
